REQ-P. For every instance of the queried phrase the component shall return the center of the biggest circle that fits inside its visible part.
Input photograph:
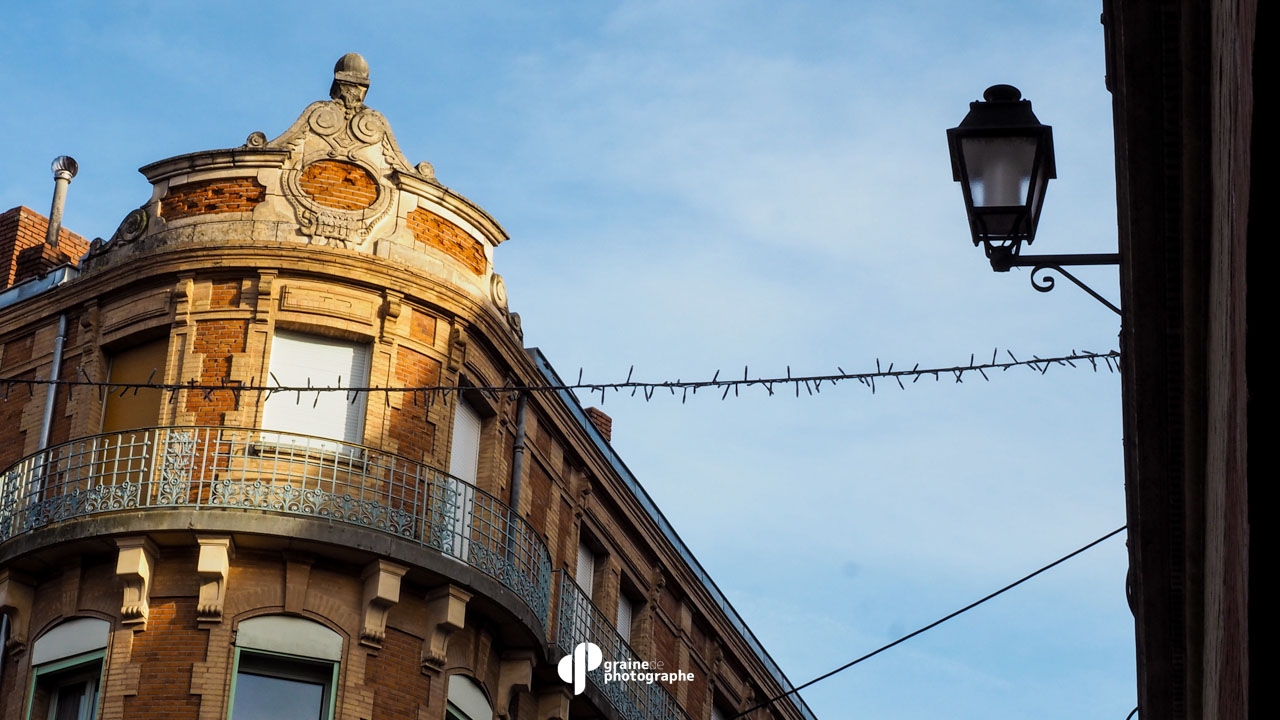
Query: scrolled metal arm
(1002, 262)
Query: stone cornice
(230, 158)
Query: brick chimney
(603, 423)
(23, 251)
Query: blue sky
(699, 186)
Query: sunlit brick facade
(208, 549)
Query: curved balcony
(580, 621)
(227, 468)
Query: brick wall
(539, 489)
(224, 294)
(395, 674)
(339, 185)
(217, 341)
(409, 425)
(166, 653)
(422, 327)
(665, 647)
(23, 254)
(212, 196)
(11, 408)
(439, 234)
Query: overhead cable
(810, 384)
(933, 624)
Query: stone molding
(446, 614)
(135, 566)
(381, 591)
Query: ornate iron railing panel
(580, 621)
(221, 467)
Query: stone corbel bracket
(16, 597)
(381, 591)
(457, 348)
(135, 566)
(213, 566)
(266, 294)
(554, 704)
(514, 674)
(392, 306)
(446, 614)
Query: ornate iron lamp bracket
(1001, 262)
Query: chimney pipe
(64, 168)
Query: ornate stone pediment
(337, 178)
(340, 154)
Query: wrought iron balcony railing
(580, 621)
(229, 468)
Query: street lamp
(1002, 156)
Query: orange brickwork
(409, 427)
(224, 294)
(339, 185)
(207, 197)
(422, 327)
(539, 496)
(11, 450)
(166, 652)
(23, 254)
(13, 354)
(395, 675)
(435, 232)
(16, 352)
(217, 340)
(696, 697)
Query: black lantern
(1002, 156)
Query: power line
(811, 384)
(933, 624)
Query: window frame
(466, 700)
(60, 672)
(291, 667)
(625, 600)
(277, 437)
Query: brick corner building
(177, 540)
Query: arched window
(466, 701)
(286, 668)
(67, 670)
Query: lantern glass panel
(999, 169)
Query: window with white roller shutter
(626, 609)
(298, 359)
(464, 463)
(464, 451)
(586, 568)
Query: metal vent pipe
(64, 168)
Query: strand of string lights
(933, 624)
(811, 384)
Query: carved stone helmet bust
(350, 79)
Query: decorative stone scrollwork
(331, 217)
(16, 597)
(515, 674)
(498, 291)
(132, 227)
(347, 128)
(381, 591)
(256, 139)
(213, 566)
(513, 319)
(446, 614)
(134, 566)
